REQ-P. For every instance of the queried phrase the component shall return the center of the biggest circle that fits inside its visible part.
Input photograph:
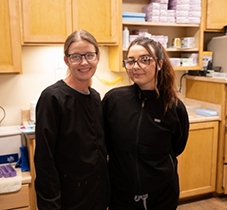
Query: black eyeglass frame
(136, 61)
(82, 56)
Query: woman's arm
(47, 182)
(181, 137)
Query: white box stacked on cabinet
(187, 11)
(188, 42)
(194, 56)
(156, 11)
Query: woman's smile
(84, 70)
(138, 74)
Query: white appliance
(218, 45)
(10, 143)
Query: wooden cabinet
(216, 15)
(30, 140)
(49, 22)
(97, 17)
(213, 91)
(46, 21)
(171, 30)
(10, 39)
(16, 200)
(197, 164)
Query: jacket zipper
(137, 140)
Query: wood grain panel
(97, 17)
(216, 14)
(46, 21)
(15, 199)
(47, 17)
(10, 39)
(198, 161)
(5, 41)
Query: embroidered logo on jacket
(157, 120)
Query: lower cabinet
(197, 164)
(16, 200)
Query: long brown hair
(165, 79)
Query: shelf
(159, 24)
(182, 50)
(175, 50)
(185, 68)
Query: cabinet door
(17, 199)
(97, 17)
(216, 14)
(10, 40)
(46, 21)
(198, 162)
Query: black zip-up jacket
(70, 156)
(142, 141)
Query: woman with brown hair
(146, 127)
(70, 155)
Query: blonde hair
(77, 36)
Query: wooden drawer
(15, 199)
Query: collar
(144, 94)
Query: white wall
(40, 65)
(39, 71)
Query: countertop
(192, 105)
(26, 177)
(208, 79)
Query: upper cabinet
(48, 22)
(97, 17)
(216, 15)
(10, 40)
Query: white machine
(10, 143)
(218, 45)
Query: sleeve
(105, 109)
(181, 137)
(47, 183)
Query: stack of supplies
(156, 11)
(193, 56)
(182, 8)
(188, 42)
(144, 32)
(171, 16)
(194, 14)
(133, 16)
(187, 11)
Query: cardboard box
(207, 60)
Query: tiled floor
(214, 203)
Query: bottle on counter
(125, 37)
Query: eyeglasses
(142, 62)
(77, 58)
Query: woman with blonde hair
(70, 155)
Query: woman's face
(84, 70)
(142, 76)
